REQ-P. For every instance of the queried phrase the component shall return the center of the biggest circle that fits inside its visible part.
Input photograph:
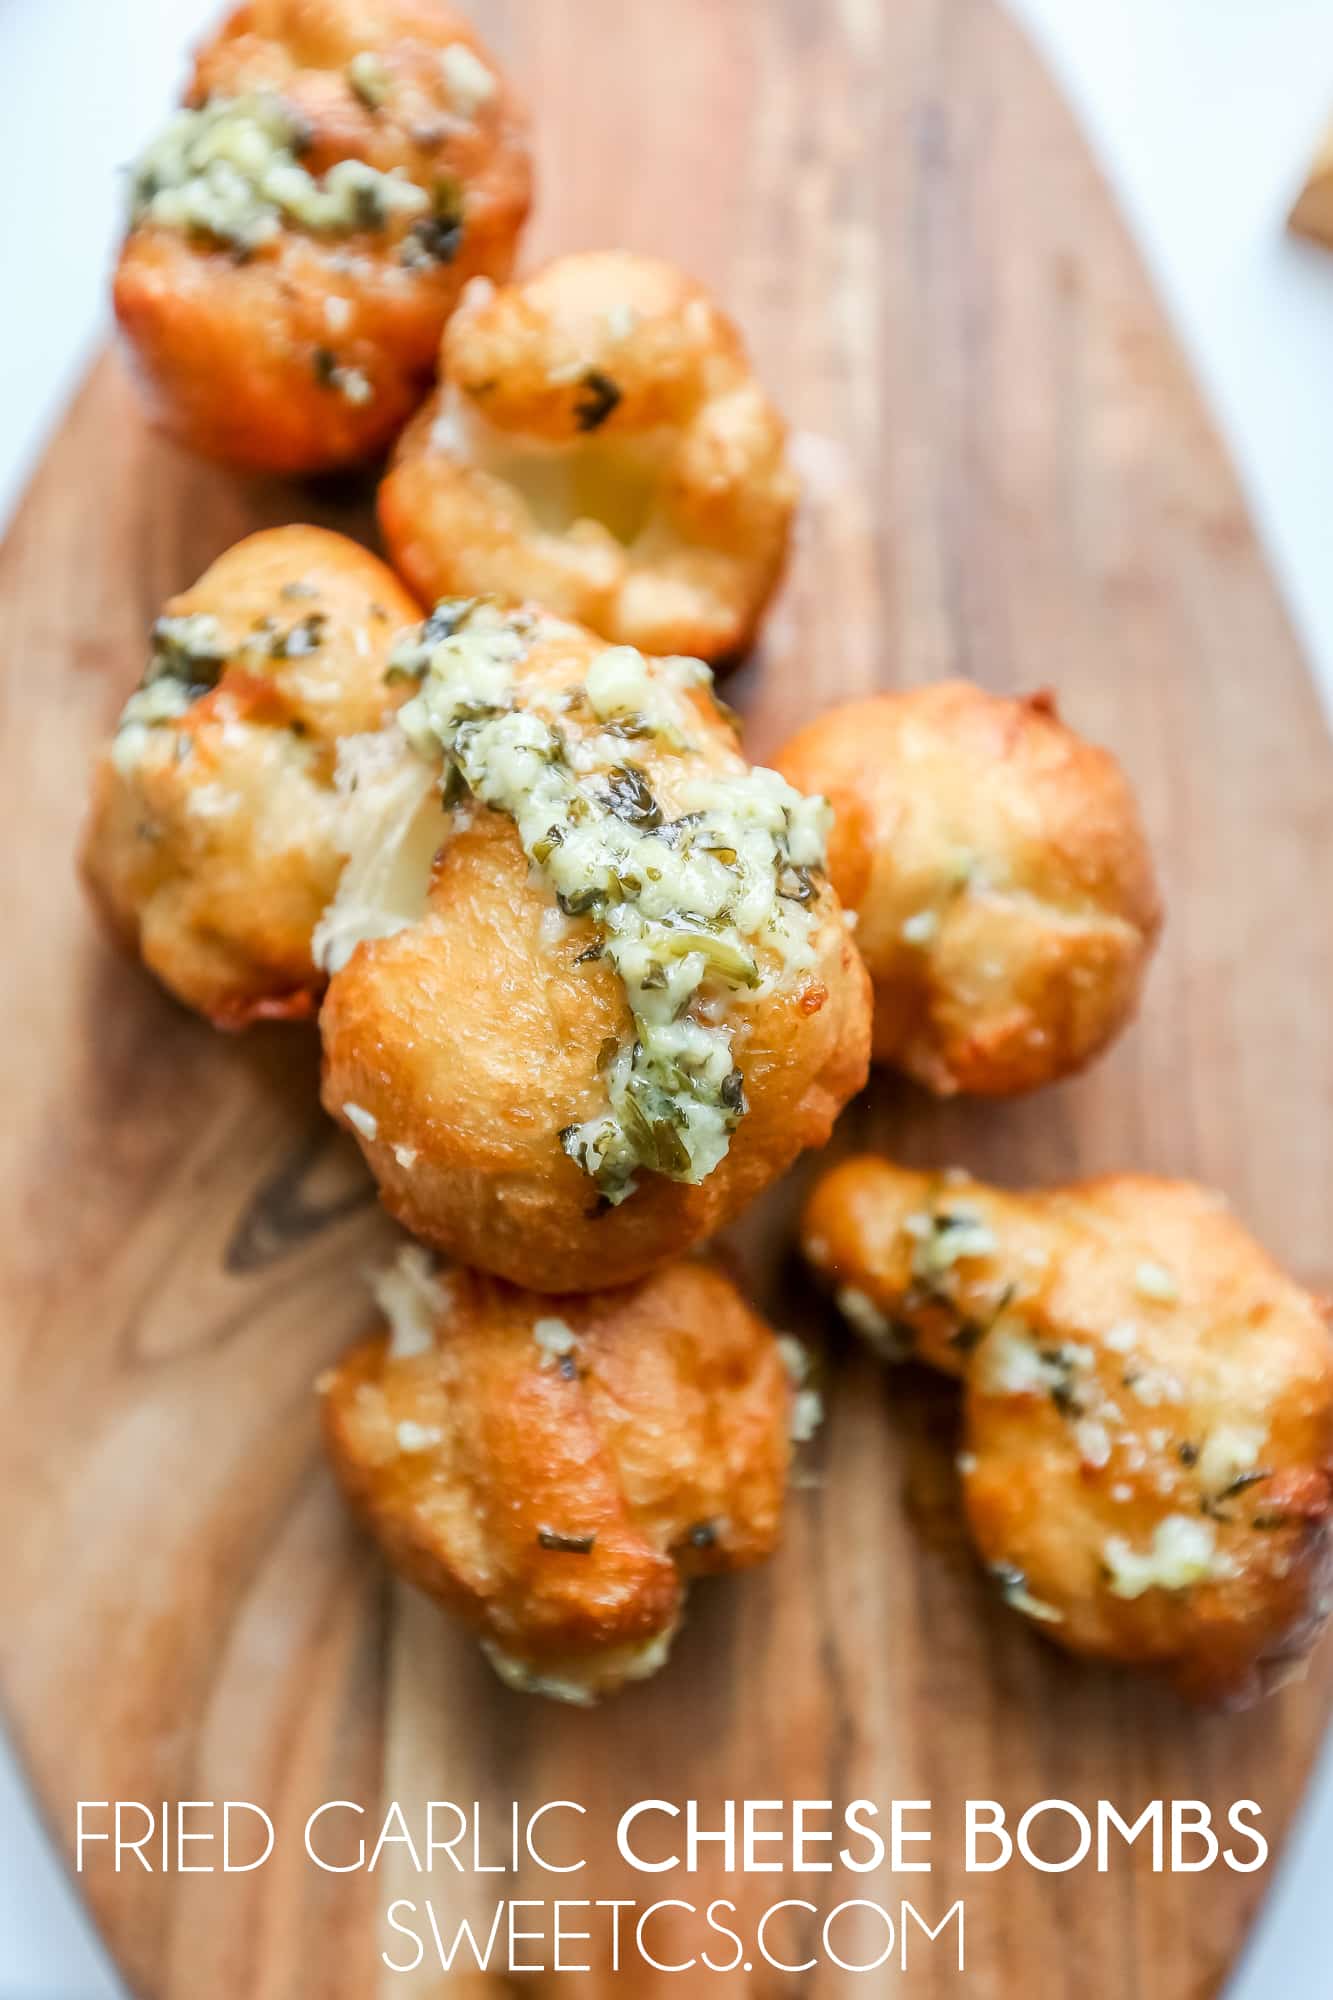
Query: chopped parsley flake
(598, 397)
(567, 1545)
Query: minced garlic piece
(921, 929)
(469, 83)
(888, 1339)
(1183, 1552)
(683, 906)
(1012, 1364)
(807, 1408)
(369, 79)
(556, 1339)
(1013, 1587)
(1093, 1441)
(1154, 1386)
(946, 1237)
(1229, 1453)
(352, 384)
(1154, 1281)
(413, 1298)
(231, 171)
(414, 1438)
(795, 1358)
(363, 1121)
(807, 1414)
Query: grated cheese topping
(413, 1298)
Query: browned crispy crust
(560, 1502)
(472, 1040)
(214, 855)
(1006, 901)
(599, 445)
(1132, 1359)
(238, 357)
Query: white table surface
(1204, 112)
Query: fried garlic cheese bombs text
(213, 838)
(1147, 1455)
(600, 446)
(301, 231)
(626, 998)
(557, 1480)
(1004, 890)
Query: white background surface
(1204, 113)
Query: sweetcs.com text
(440, 1840)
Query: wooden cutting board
(1009, 475)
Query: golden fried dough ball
(1148, 1435)
(300, 233)
(1004, 892)
(599, 445)
(627, 998)
(213, 839)
(557, 1481)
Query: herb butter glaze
(214, 833)
(232, 171)
(698, 906)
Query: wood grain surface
(1009, 475)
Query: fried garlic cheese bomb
(627, 997)
(301, 231)
(600, 446)
(1005, 898)
(1148, 1436)
(557, 1481)
(213, 840)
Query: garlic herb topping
(695, 912)
(187, 659)
(232, 171)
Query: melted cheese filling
(391, 827)
(614, 482)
